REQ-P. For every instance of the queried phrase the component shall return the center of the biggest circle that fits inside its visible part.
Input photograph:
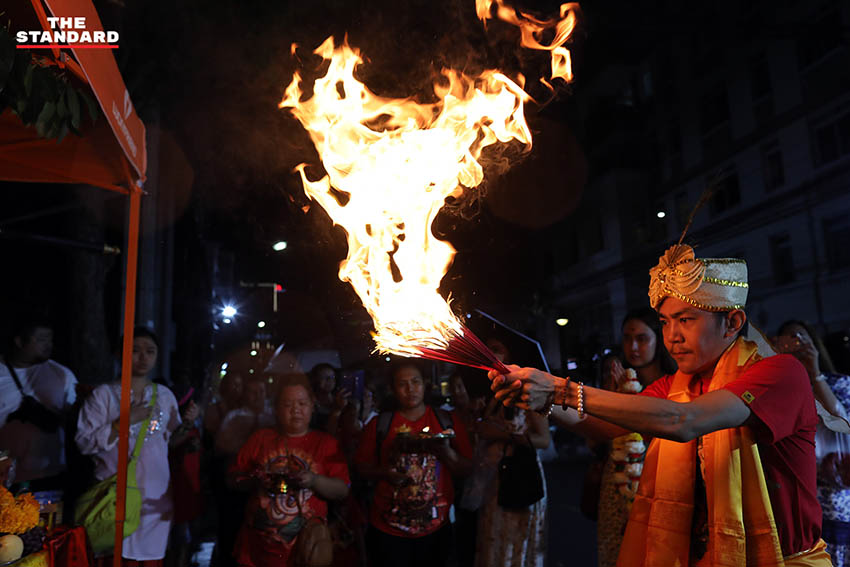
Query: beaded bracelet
(580, 401)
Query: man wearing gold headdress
(729, 478)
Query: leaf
(7, 60)
(74, 106)
(90, 102)
(28, 79)
(62, 106)
(63, 131)
(47, 112)
(48, 83)
(53, 130)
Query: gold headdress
(710, 284)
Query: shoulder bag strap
(140, 440)
(14, 376)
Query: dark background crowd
(248, 463)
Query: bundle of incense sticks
(468, 350)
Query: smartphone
(353, 381)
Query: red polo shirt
(778, 392)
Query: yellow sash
(741, 528)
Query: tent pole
(126, 368)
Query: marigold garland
(17, 515)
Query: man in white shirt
(39, 453)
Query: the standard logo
(67, 32)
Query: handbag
(96, 506)
(32, 411)
(314, 546)
(520, 481)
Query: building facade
(758, 111)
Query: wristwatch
(561, 394)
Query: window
(836, 235)
(773, 168)
(674, 147)
(832, 140)
(781, 260)
(714, 123)
(759, 77)
(648, 91)
(761, 89)
(714, 110)
(727, 194)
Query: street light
(253, 353)
(280, 245)
(562, 321)
(226, 320)
(661, 214)
(228, 311)
(261, 324)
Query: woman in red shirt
(292, 472)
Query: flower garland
(17, 515)
(627, 451)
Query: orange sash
(741, 528)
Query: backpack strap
(14, 376)
(382, 428)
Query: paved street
(572, 537)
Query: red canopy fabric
(110, 153)
(93, 159)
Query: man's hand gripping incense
(525, 388)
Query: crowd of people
(715, 445)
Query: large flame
(533, 29)
(390, 165)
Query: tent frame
(126, 369)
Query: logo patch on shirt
(748, 397)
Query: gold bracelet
(580, 402)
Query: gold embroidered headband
(710, 284)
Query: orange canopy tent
(110, 154)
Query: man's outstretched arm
(532, 389)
